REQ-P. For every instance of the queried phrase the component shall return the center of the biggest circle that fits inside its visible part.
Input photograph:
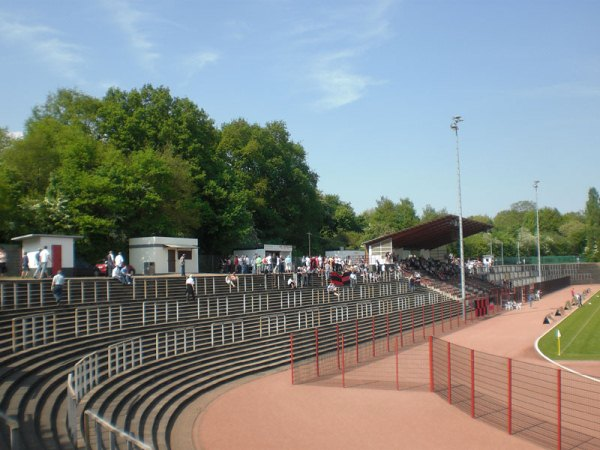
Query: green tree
(389, 217)
(592, 225)
(430, 213)
(340, 224)
(270, 173)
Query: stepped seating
(32, 382)
(148, 399)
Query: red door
(56, 258)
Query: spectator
(230, 280)
(291, 283)
(119, 260)
(125, 276)
(288, 263)
(353, 280)
(57, 286)
(3, 260)
(38, 266)
(332, 289)
(110, 263)
(189, 289)
(45, 258)
(182, 264)
(117, 275)
(25, 265)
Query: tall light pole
(454, 126)
(537, 226)
(309, 235)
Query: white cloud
(340, 87)
(196, 62)
(131, 20)
(15, 134)
(336, 47)
(45, 42)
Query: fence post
(317, 350)
(356, 334)
(373, 334)
(387, 331)
(443, 316)
(401, 326)
(472, 383)
(423, 321)
(413, 324)
(292, 356)
(397, 373)
(431, 385)
(509, 407)
(343, 364)
(337, 344)
(449, 374)
(558, 409)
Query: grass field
(580, 334)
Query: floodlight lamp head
(455, 121)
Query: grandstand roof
(432, 234)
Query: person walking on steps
(189, 289)
(57, 286)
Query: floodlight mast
(537, 226)
(454, 126)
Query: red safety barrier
(431, 379)
(292, 356)
(473, 383)
(317, 350)
(343, 363)
(543, 404)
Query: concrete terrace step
(32, 382)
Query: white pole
(455, 121)
(537, 225)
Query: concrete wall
(156, 250)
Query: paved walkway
(267, 412)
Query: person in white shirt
(119, 260)
(44, 260)
(57, 286)
(189, 289)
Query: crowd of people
(117, 269)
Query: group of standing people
(42, 258)
(117, 269)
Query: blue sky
(368, 87)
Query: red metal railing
(553, 408)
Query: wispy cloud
(46, 43)
(193, 64)
(337, 46)
(131, 21)
(339, 87)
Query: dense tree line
(144, 163)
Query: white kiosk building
(160, 255)
(61, 248)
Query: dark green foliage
(142, 163)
